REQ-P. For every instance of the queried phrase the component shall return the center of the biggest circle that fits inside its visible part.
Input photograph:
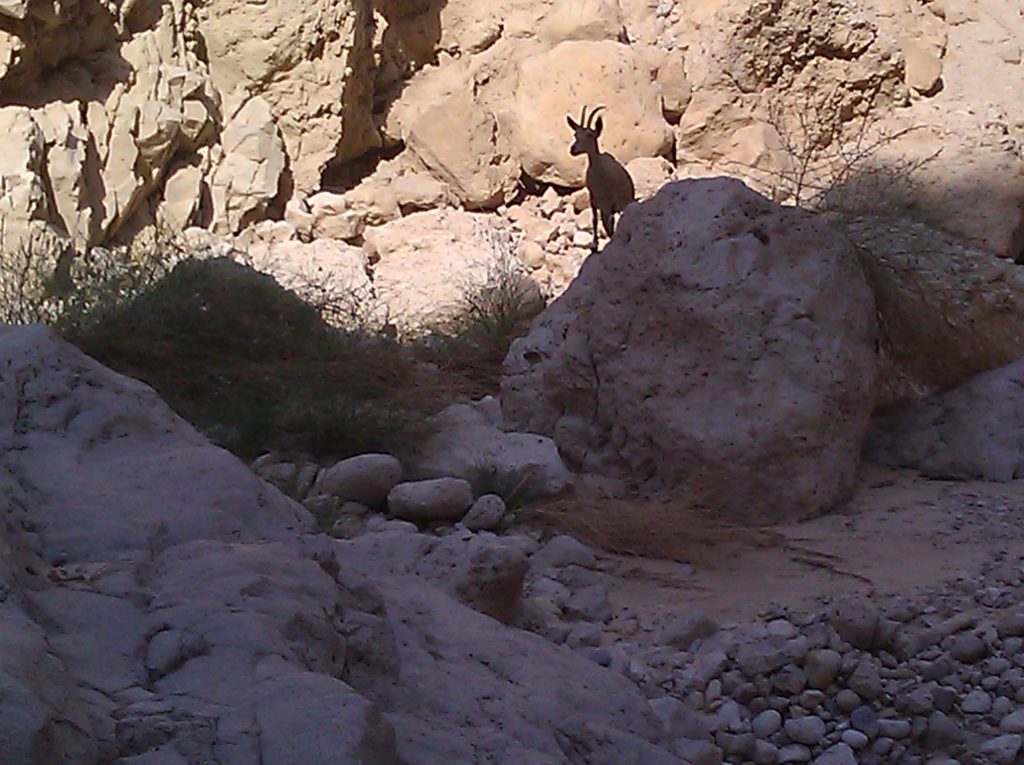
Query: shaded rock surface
(159, 603)
(972, 431)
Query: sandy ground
(900, 533)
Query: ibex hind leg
(608, 220)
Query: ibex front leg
(593, 244)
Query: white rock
(465, 442)
(438, 499)
(285, 55)
(248, 176)
(460, 143)
(592, 73)
(366, 478)
(332, 218)
(425, 262)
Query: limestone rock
(420, 191)
(969, 432)
(458, 141)
(922, 66)
(160, 599)
(67, 163)
(675, 87)
(467, 444)
(181, 197)
(366, 478)
(115, 427)
(683, 317)
(437, 499)
(649, 174)
(374, 200)
(332, 217)
(249, 175)
(331, 275)
(311, 65)
(590, 20)
(22, 193)
(425, 262)
(570, 76)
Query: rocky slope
(161, 604)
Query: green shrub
(470, 343)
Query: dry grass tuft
(669, 529)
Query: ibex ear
(571, 122)
(598, 126)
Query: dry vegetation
(256, 367)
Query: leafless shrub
(838, 162)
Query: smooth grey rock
(1013, 722)
(366, 478)
(976, 702)
(808, 730)
(439, 499)
(847, 700)
(682, 631)
(697, 752)
(968, 648)
(966, 432)
(767, 723)
(794, 753)
(855, 620)
(865, 719)
(894, 729)
(865, 680)
(765, 753)
(562, 550)
(467, 443)
(855, 739)
(735, 744)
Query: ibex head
(587, 132)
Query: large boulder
(972, 431)
(458, 141)
(575, 74)
(720, 343)
(114, 445)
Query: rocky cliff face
(327, 119)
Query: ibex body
(608, 182)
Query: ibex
(608, 182)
